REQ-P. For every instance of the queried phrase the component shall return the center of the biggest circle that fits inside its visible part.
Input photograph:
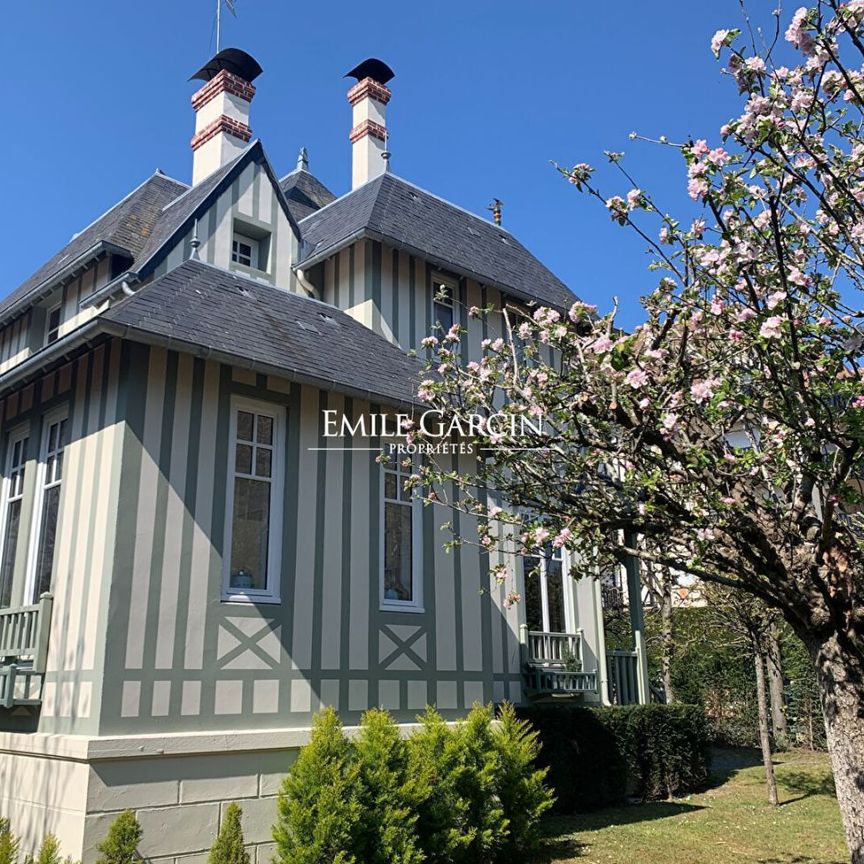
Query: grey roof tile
(305, 193)
(398, 212)
(128, 224)
(207, 309)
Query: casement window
(253, 513)
(401, 519)
(13, 495)
(547, 594)
(443, 303)
(244, 250)
(52, 324)
(46, 508)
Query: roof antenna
(385, 153)
(303, 160)
(495, 207)
(194, 243)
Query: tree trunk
(764, 727)
(841, 688)
(668, 642)
(775, 689)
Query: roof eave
(137, 334)
(69, 271)
(433, 259)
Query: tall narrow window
(13, 495)
(253, 518)
(400, 586)
(48, 503)
(443, 309)
(52, 325)
(545, 591)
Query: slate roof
(128, 224)
(305, 193)
(208, 310)
(395, 211)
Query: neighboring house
(189, 567)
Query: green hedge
(602, 756)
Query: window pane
(263, 457)
(245, 424)
(250, 534)
(265, 430)
(444, 315)
(555, 593)
(47, 539)
(397, 553)
(533, 593)
(10, 542)
(389, 485)
(243, 460)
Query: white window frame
(18, 434)
(385, 604)
(439, 280)
(58, 308)
(254, 247)
(48, 420)
(568, 597)
(272, 592)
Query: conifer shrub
(388, 828)
(8, 843)
(229, 848)
(520, 784)
(318, 809)
(49, 851)
(120, 845)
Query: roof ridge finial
(303, 159)
(194, 243)
(385, 153)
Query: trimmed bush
(597, 757)
(120, 845)
(229, 848)
(8, 843)
(319, 811)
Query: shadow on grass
(806, 784)
(796, 859)
(726, 762)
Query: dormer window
(244, 250)
(52, 324)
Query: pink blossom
(718, 40)
(698, 228)
(718, 156)
(704, 389)
(770, 328)
(755, 64)
(563, 538)
(636, 378)
(858, 402)
(735, 335)
(700, 147)
(717, 305)
(669, 421)
(697, 188)
(775, 299)
(634, 198)
(797, 277)
(745, 313)
(602, 345)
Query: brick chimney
(369, 98)
(222, 110)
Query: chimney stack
(369, 98)
(222, 110)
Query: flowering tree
(724, 437)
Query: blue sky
(486, 93)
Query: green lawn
(729, 822)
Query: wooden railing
(622, 672)
(24, 633)
(555, 649)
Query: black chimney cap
(237, 62)
(372, 68)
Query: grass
(731, 821)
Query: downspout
(301, 278)
(600, 627)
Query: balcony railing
(23, 652)
(563, 649)
(553, 663)
(621, 667)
